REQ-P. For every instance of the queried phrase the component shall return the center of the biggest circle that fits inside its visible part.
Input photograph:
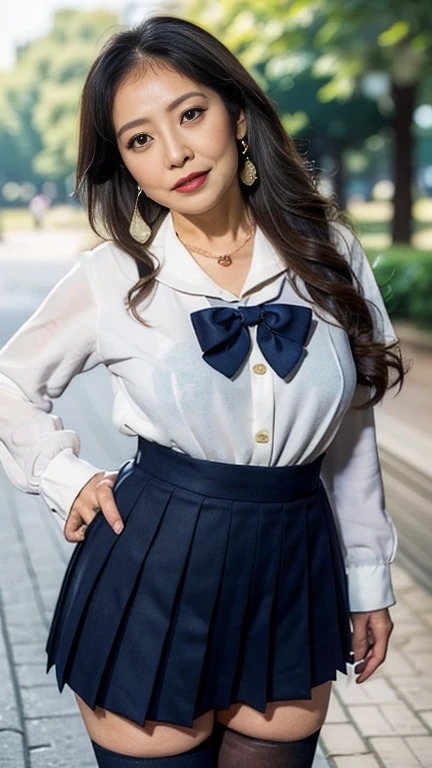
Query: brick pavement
(39, 728)
(387, 720)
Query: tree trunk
(404, 101)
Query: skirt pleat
(83, 572)
(108, 617)
(290, 674)
(225, 641)
(327, 650)
(225, 586)
(190, 627)
(255, 652)
(340, 581)
(162, 619)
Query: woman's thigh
(282, 720)
(155, 739)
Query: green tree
(326, 129)
(40, 97)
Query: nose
(176, 150)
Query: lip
(190, 177)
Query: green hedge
(404, 276)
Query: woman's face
(161, 142)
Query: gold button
(259, 368)
(262, 436)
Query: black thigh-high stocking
(201, 756)
(235, 750)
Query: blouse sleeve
(351, 473)
(57, 342)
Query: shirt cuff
(62, 480)
(370, 587)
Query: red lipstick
(192, 181)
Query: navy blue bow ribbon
(225, 340)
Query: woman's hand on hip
(96, 495)
(370, 639)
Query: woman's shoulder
(348, 243)
(343, 238)
(350, 247)
(110, 264)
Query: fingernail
(118, 526)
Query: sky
(26, 20)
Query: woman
(248, 343)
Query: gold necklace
(224, 259)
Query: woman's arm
(56, 343)
(353, 252)
(351, 474)
(351, 470)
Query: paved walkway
(387, 720)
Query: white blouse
(166, 392)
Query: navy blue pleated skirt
(226, 585)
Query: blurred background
(352, 83)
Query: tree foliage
(39, 98)
(339, 41)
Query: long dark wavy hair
(284, 199)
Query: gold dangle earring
(248, 174)
(139, 229)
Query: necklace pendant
(225, 260)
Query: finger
(360, 638)
(108, 478)
(108, 506)
(364, 652)
(368, 667)
(106, 481)
(77, 523)
(73, 530)
(376, 655)
(360, 666)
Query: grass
(374, 220)
(398, 253)
(57, 217)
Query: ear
(241, 126)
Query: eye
(140, 137)
(193, 109)
(137, 137)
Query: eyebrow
(170, 107)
